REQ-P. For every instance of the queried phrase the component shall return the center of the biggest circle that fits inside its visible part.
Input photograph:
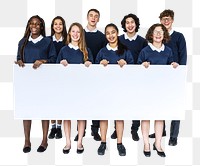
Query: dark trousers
(95, 126)
(174, 128)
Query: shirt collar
(72, 46)
(59, 40)
(110, 48)
(162, 48)
(171, 31)
(130, 38)
(35, 40)
(87, 30)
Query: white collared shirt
(110, 48)
(130, 38)
(87, 30)
(35, 40)
(162, 48)
(72, 46)
(171, 31)
(59, 40)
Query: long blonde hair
(81, 43)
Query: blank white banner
(77, 92)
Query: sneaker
(172, 141)
(114, 135)
(52, 133)
(59, 133)
(96, 136)
(102, 148)
(135, 136)
(121, 149)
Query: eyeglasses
(166, 19)
(158, 32)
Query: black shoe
(80, 150)
(135, 136)
(96, 136)
(172, 141)
(27, 149)
(121, 149)
(41, 149)
(114, 135)
(161, 154)
(147, 153)
(52, 133)
(59, 133)
(66, 150)
(101, 149)
(153, 135)
(76, 138)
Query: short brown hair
(149, 35)
(167, 13)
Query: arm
(182, 50)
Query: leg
(145, 126)
(174, 131)
(81, 130)
(119, 129)
(45, 128)
(134, 130)
(158, 126)
(27, 130)
(67, 129)
(95, 128)
(59, 131)
(114, 134)
(103, 131)
(163, 134)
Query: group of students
(162, 46)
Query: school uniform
(73, 55)
(57, 43)
(178, 45)
(135, 44)
(111, 55)
(37, 49)
(95, 40)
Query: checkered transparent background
(13, 18)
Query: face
(75, 33)
(58, 26)
(34, 26)
(167, 22)
(130, 25)
(93, 18)
(111, 34)
(158, 35)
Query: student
(35, 48)
(178, 45)
(75, 52)
(95, 40)
(156, 53)
(135, 43)
(59, 37)
(114, 53)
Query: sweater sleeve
(99, 57)
(182, 50)
(141, 57)
(90, 56)
(52, 53)
(129, 57)
(60, 56)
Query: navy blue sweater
(178, 45)
(44, 49)
(73, 56)
(58, 45)
(154, 57)
(135, 46)
(95, 41)
(113, 57)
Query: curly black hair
(135, 18)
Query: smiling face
(93, 18)
(58, 26)
(167, 22)
(130, 25)
(158, 35)
(111, 35)
(35, 27)
(75, 34)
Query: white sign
(95, 93)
